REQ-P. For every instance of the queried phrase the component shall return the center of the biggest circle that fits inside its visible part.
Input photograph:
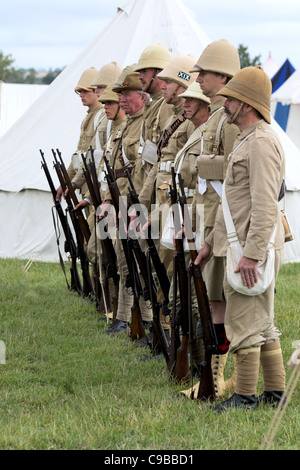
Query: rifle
(68, 184)
(94, 200)
(131, 247)
(175, 337)
(70, 245)
(160, 343)
(206, 389)
(109, 254)
(87, 288)
(181, 369)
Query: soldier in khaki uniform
(175, 79)
(89, 99)
(253, 180)
(107, 75)
(123, 157)
(115, 114)
(196, 111)
(156, 113)
(217, 64)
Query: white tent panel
(15, 99)
(270, 67)
(289, 95)
(27, 229)
(54, 120)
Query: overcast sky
(46, 34)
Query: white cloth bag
(265, 268)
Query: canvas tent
(53, 121)
(270, 67)
(15, 99)
(291, 202)
(286, 107)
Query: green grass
(66, 384)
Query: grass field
(67, 385)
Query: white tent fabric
(270, 67)
(15, 99)
(291, 202)
(289, 95)
(53, 121)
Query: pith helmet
(109, 73)
(86, 79)
(128, 69)
(109, 95)
(252, 86)
(131, 82)
(194, 91)
(155, 56)
(178, 70)
(220, 57)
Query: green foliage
(10, 74)
(66, 384)
(245, 59)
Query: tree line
(11, 74)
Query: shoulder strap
(218, 135)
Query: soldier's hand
(203, 256)
(82, 204)
(247, 267)
(59, 193)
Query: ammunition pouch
(210, 167)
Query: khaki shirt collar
(216, 105)
(250, 129)
(131, 117)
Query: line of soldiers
(161, 124)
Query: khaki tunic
(87, 132)
(125, 150)
(156, 115)
(102, 132)
(210, 199)
(206, 205)
(97, 144)
(160, 175)
(253, 180)
(116, 129)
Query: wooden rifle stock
(181, 371)
(160, 343)
(87, 288)
(81, 219)
(96, 274)
(109, 260)
(175, 338)
(70, 245)
(206, 389)
(137, 327)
